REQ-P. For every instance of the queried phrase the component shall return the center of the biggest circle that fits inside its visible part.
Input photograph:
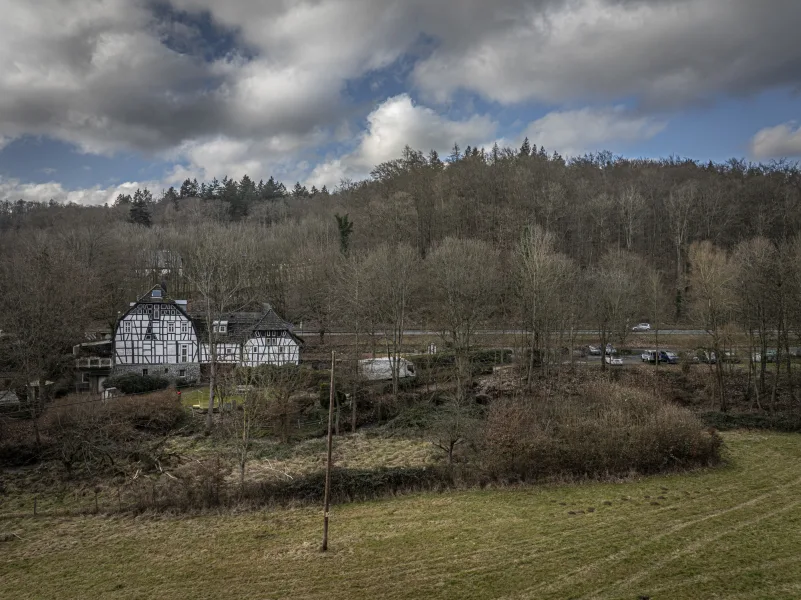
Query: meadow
(726, 532)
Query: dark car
(664, 357)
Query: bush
(605, 430)
(95, 437)
(133, 383)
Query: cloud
(575, 132)
(667, 53)
(395, 123)
(777, 142)
(14, 189)
(224, 87)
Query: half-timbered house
(251, 338)
(156, 336)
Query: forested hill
(589, 205)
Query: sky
(99, 97)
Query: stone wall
(171, 372)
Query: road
(412, 332)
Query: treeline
(517, 238)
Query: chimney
(266, 307)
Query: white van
(380, 369)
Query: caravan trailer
(380, 369)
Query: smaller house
(251, 339)
(94, 362)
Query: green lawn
(731, 532)
(192, 396)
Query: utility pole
(327, 497)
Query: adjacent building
(158, 336)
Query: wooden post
(327, 497)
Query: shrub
(93, 437)
(133, 383)
(605, 430)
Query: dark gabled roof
(148, 296)
(241, 325)
(270, 321)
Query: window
(184, 353)
(144, 372)
(219, 326)
(166, 369)
(156, 312)
(182, 373)
(184, 327)
(170, 327)
(126, 327)
(229, 350)
(155, 294)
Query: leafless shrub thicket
(602, 429)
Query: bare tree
(617, 287)
(219, 263)
(45, 305)
(544, 277)
(462, 283)
(630, 207)
(679, 205)
(712, 300)
(755, 264)
(391, 275)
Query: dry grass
(725, 533)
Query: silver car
(642, 327)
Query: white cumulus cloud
(777, 142)
(394, 124)
(575, 132)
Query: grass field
(731, 532)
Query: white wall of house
(256, 351)
(155, 334)
(278, 350)
(227, 352)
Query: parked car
(672, 358)
(729, 356)
(610, 349)
(642, 327)
(770, 356)
(594, 350)
(614, 361)
(705, 356)
(665, 357)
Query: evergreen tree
(273, 190)
(434, 161)
(455, 155)
(140, 208)
(314, 191)
(189, 189)
(324, 191)
(214, 190)
(525, 149)
(468, 152)
(171, 196)
(300, 191)
(345, 227)
(123, 200)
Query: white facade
(279, 349)
(158, 331)
(153, 332)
